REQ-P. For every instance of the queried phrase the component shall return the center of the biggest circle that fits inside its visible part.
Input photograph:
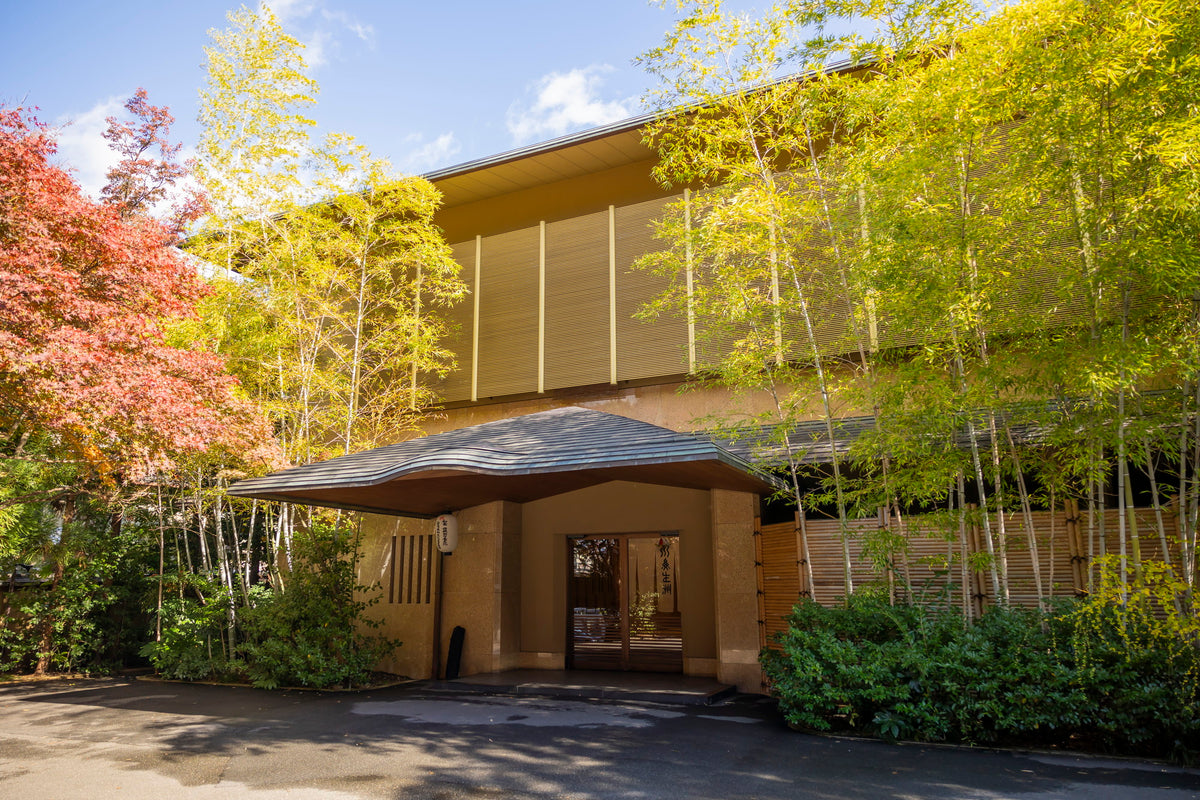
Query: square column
(482, 588)
(736, 589)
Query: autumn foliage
(87, 297)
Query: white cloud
(365, 33)
(82, 147)
(290, 10)
(319, 29)
(315, 47)
(428, 155)
(565, 101)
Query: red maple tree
(148, 169)
(87, 292)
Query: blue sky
(425, 83)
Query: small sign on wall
(445, 533)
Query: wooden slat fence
(933, 563)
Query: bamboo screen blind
(508, 313)
(457, 384)
(577, 314)
(644, 350)
(574, 323)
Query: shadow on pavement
(412, 743)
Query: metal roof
(574, 155)
(763, 446)
(619, 126)
(579, 137)
(520, 459)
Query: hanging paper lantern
(445, 533)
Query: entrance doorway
(623, 602)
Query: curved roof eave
(521, 458)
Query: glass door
(624, 603)
(655, 632)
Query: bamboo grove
(977, 231)
(328, 309)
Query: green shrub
(1135, 648)
(314, 631)
(87, 619)
(191, 646)
(1122, 676)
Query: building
(595, 530)
(598, 528)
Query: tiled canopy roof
(763, 445)
(520, 459)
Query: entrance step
(641, 687)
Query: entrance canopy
(519, 459)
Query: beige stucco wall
(659, 404)
(411, 624)
(483, 587)
(671, 404)
(482, 591)
(617, 507)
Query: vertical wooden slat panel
(508, 313)
(933, 559)
(420, 565)
(429, 568)
(457, 384)
(392, 573)
(411, 566)
(780, 585)
(644, 350)
(400, 572)
(577, 314)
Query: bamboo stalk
(161, 566)
(889, 565)
(1193, 508)
(980, 592)
(807, 584)
(904, 565)
(1102, 526)
(1135, 540)
(1001, 521)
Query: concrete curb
(331, 690)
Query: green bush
(1120, 677)
(1136, 651)
(314, 631)
(191, 646)
(90, 618)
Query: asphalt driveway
(140, 739)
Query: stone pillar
(736, 589)
(482, 588)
